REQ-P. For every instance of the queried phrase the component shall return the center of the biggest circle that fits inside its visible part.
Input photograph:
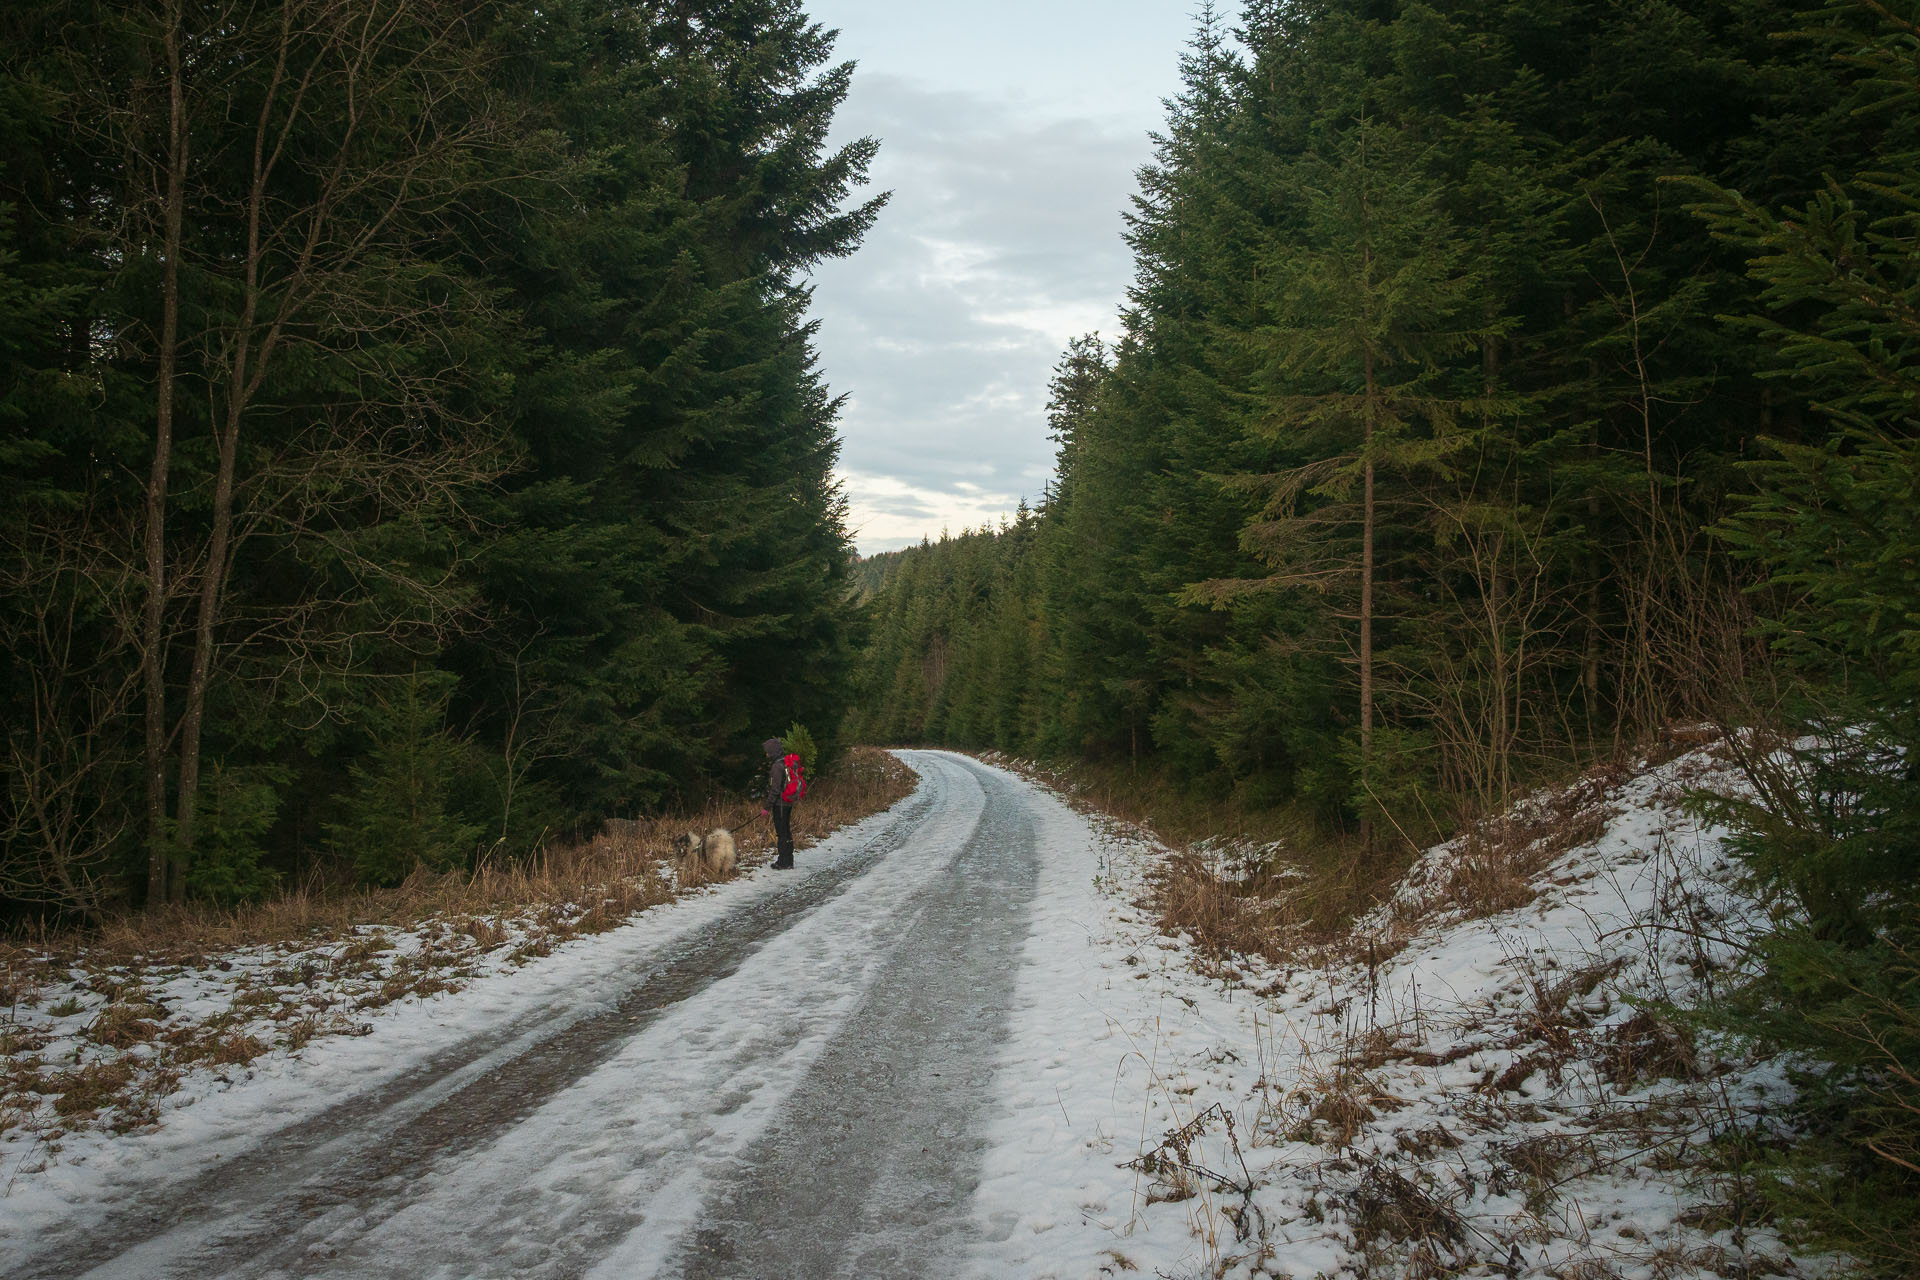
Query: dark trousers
(783, 829)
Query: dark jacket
(776, 783)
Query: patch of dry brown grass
(599, 881)
(125, 1023)
(1500, 857)
(1255, 913)
(235, 1049)
(1409, 1212)
(1344, 1111)
(15, 1039)
(1300, 887)
(17, 986)
(1487, 878)
(1648, 1047)
(91, 1088)
(1331, 1107)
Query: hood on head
(774, 747)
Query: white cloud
(1001, 244)
(1115, 59)
(887, 512)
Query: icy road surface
(793, 1076)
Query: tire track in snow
(361, 1160)
(620, 1175)
(871, 1166)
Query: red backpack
(796, 788)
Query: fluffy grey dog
(708, 858)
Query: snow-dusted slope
(1495, 1095)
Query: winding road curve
(798, 1091)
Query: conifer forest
(410, 425)
(412, 447)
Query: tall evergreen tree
(1832, 839)
(1371, 300)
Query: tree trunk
(193, 716)
(1369, 412)
(1366, 604)
(245, 374)
(153, 624)
(245, 379)
(1506, 694)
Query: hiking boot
(783, 862)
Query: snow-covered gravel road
(790, 1076)
(956, 1043)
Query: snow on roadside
(103, 1045)
(250, 1039)
(1496, 1094)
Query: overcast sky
(1010, 133)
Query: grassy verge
(1238, 879)
(1267, 882)
(98, 1028)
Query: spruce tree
(675, 557)
(1833, 839)
(1367, 306)
(398, 815)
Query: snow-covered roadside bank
(99, 1029)
(521, 985)
(1492, 1096)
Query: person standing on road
(786, 783)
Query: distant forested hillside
(410, 441)
(872, 573)
(1500, 383)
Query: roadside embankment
(98, 1028)
(1492, 1072)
